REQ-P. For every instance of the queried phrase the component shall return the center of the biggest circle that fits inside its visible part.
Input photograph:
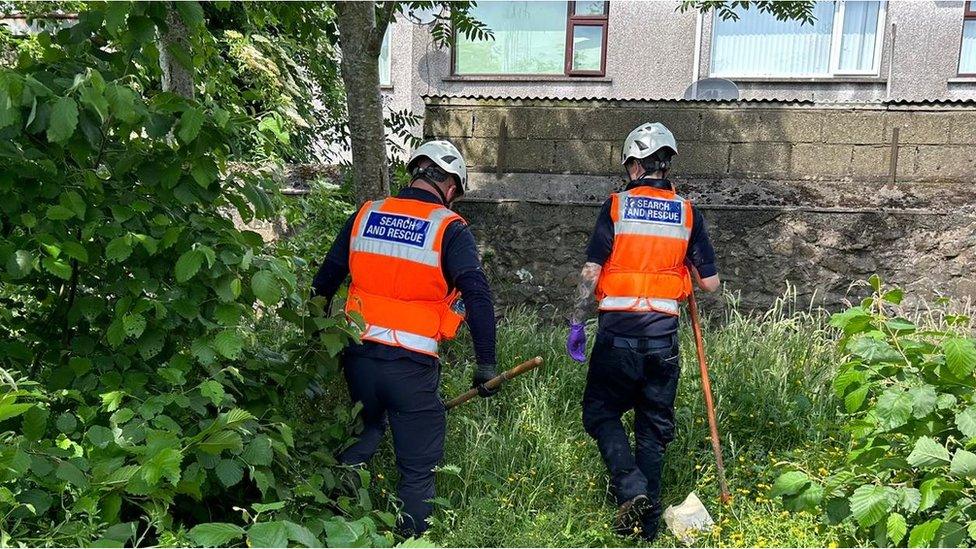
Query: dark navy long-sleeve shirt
(700, 253)
(462, 270)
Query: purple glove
(576, 343)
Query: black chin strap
(436, 187)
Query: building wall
(792, 192)
(651, 52)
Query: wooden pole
(709, 404)
(496, 381)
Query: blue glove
(576, 343)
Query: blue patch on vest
(654, 210)
(400, 229)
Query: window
(385, 73)
(967, 53)
(536, 38)
(845, 39)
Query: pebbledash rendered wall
(816, 196)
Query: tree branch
(379, 31)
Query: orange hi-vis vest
(398, 285)
(646, 270)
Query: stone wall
(792, 192)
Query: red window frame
(968, 14)
(571, 21)
(574, 21)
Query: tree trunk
(361, 77)
(176, 78)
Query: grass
(519, 470)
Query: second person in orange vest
(637, 268)
(412, 260)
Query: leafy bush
(907, 393)
(138, 406)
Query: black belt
(640, 344)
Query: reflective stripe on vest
(639, 304)
(644, 224)
(424, 255)
(400, 338)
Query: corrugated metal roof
(926, 103)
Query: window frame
(833, 66)
(968, 14)
(571, 21)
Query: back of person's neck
(427, 187)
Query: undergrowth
(520, 471)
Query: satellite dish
(712, 89)
(425, 16)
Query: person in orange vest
(416, 275)
(647, 246)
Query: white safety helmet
(646, 140)
(446, 156)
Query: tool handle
(709, 404)
(496, 381)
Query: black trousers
(404, 394)
(642, 377)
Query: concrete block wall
(793, 193)
(762, 140)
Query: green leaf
(9, 410)
(119, 249)
(190, 124)
(928, 453)
(68, 472)
(191, 13)
(66, 423)
(188, 264)
(870, 504)
(268, 534)
(58, 212)
(64, 120)
(931, 490)
(894, 408)
(228, 314)
(966, 422)
(222, 440)
(874, 351)
(229, 344)
(213, 390)
(960, 356)
(266, 288)
(133, 324)
(789, 483)
(20, 264)
(924, 400)
(258, 451)
(923, 534)
(100, 436)
(230, 473)
(908, 499)
(855, 399)
(971, 529)
(265, 507)
(897, 528)
(301, 534)
(57, 267)
(34, 423)
(164, 463)
(852, 321)
(112, 400)
(74, 250)
(215, 534)
(963, 464)
(204, 171)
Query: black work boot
(651, 522)
(630, 515)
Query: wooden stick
(496, 381)
(709, 405)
